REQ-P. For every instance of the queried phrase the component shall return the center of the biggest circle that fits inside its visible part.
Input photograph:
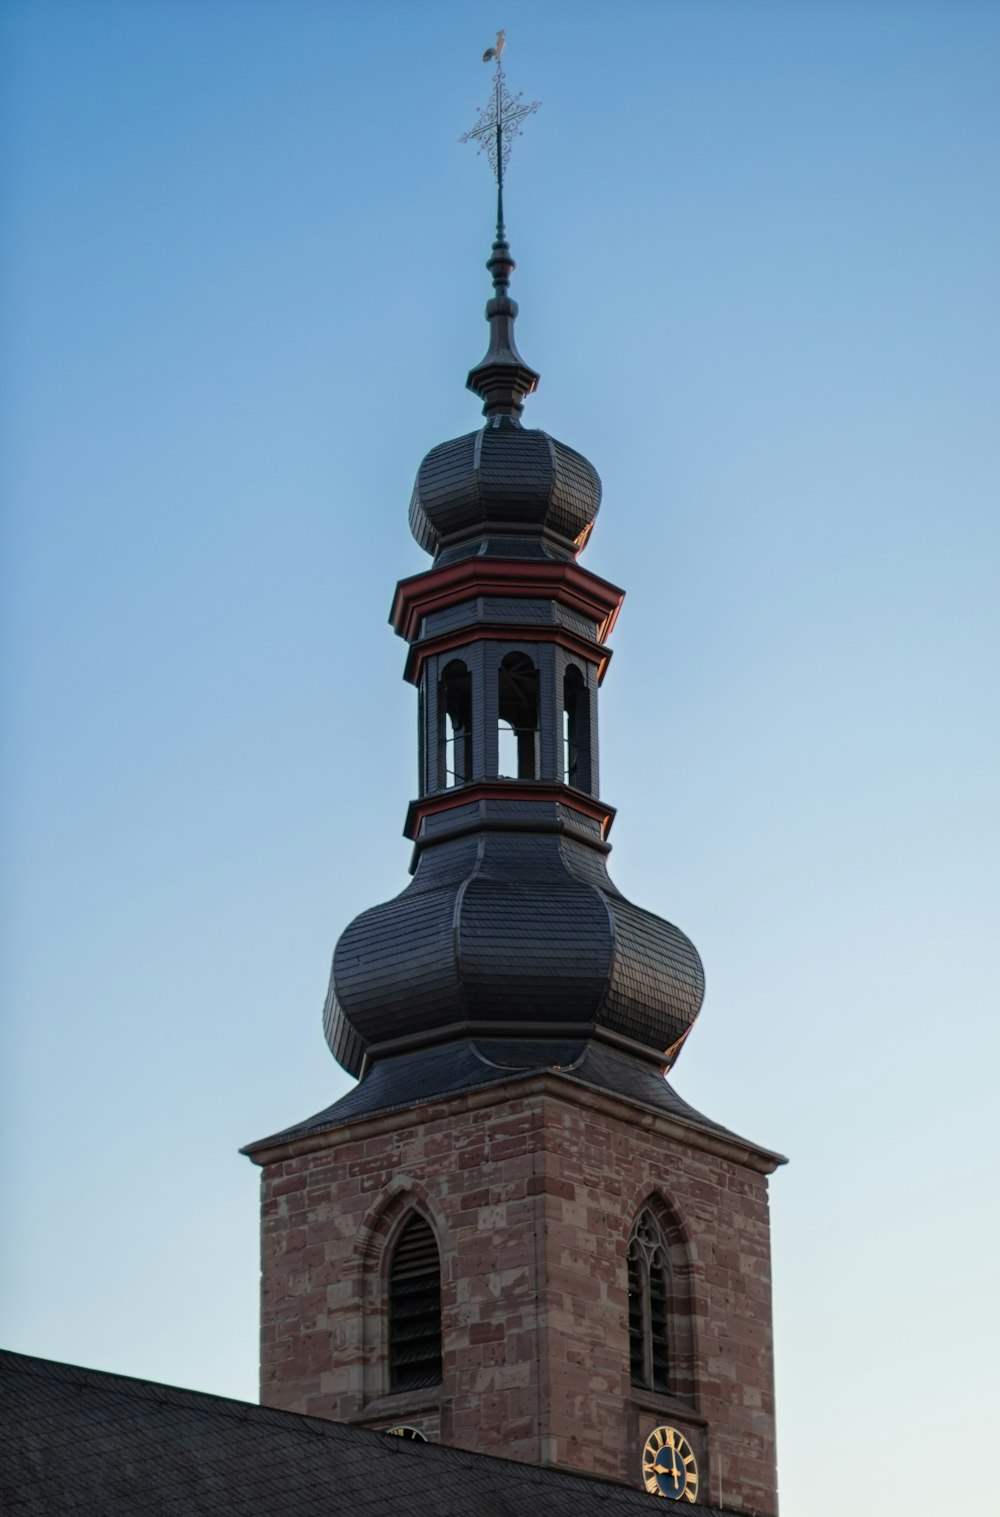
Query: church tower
(513, 1235)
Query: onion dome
(505, 936)
(505, 479)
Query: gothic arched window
(518, 718)
(649, 1305)
(576, 730)
(454, 724)
(414, 1309)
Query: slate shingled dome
(504, 479)
(507, 935)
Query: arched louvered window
(649, 1305)
(518, 718)
(576, 730)
(455, 724)
(414, 1309)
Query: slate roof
(414, 1078)
(512, 929)
(81, 1442)
(504, 478)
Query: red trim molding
(507, 790)
(564, 582)
(497, 632)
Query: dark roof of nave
(411, 1079)
(82, 1442)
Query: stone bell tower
(513, 1235)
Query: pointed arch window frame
(661, 1303)
(648, 1303)
(414, 1351)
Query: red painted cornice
(582, 647)
(566, 583)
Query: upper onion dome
(505, 479)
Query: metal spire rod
(497, 82)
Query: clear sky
(242, 285)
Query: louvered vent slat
(635, 1341)
(415, 1310)
(658, 1325)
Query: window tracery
(649, 1305)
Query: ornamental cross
(500, 120)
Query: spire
(501, 378)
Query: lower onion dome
(510, 936)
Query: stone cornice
(559, 1085)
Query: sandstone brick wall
(532, 1192)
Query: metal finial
(501, 378)
(500, 119)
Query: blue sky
(242, 285)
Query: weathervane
(499, 121)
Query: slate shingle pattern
(411, 1080)
(82, 1443)
(498, 547)
(518, 929)
(504, 478)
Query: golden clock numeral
(684, 1484)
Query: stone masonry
(532, 1189)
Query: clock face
(669, 1467)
